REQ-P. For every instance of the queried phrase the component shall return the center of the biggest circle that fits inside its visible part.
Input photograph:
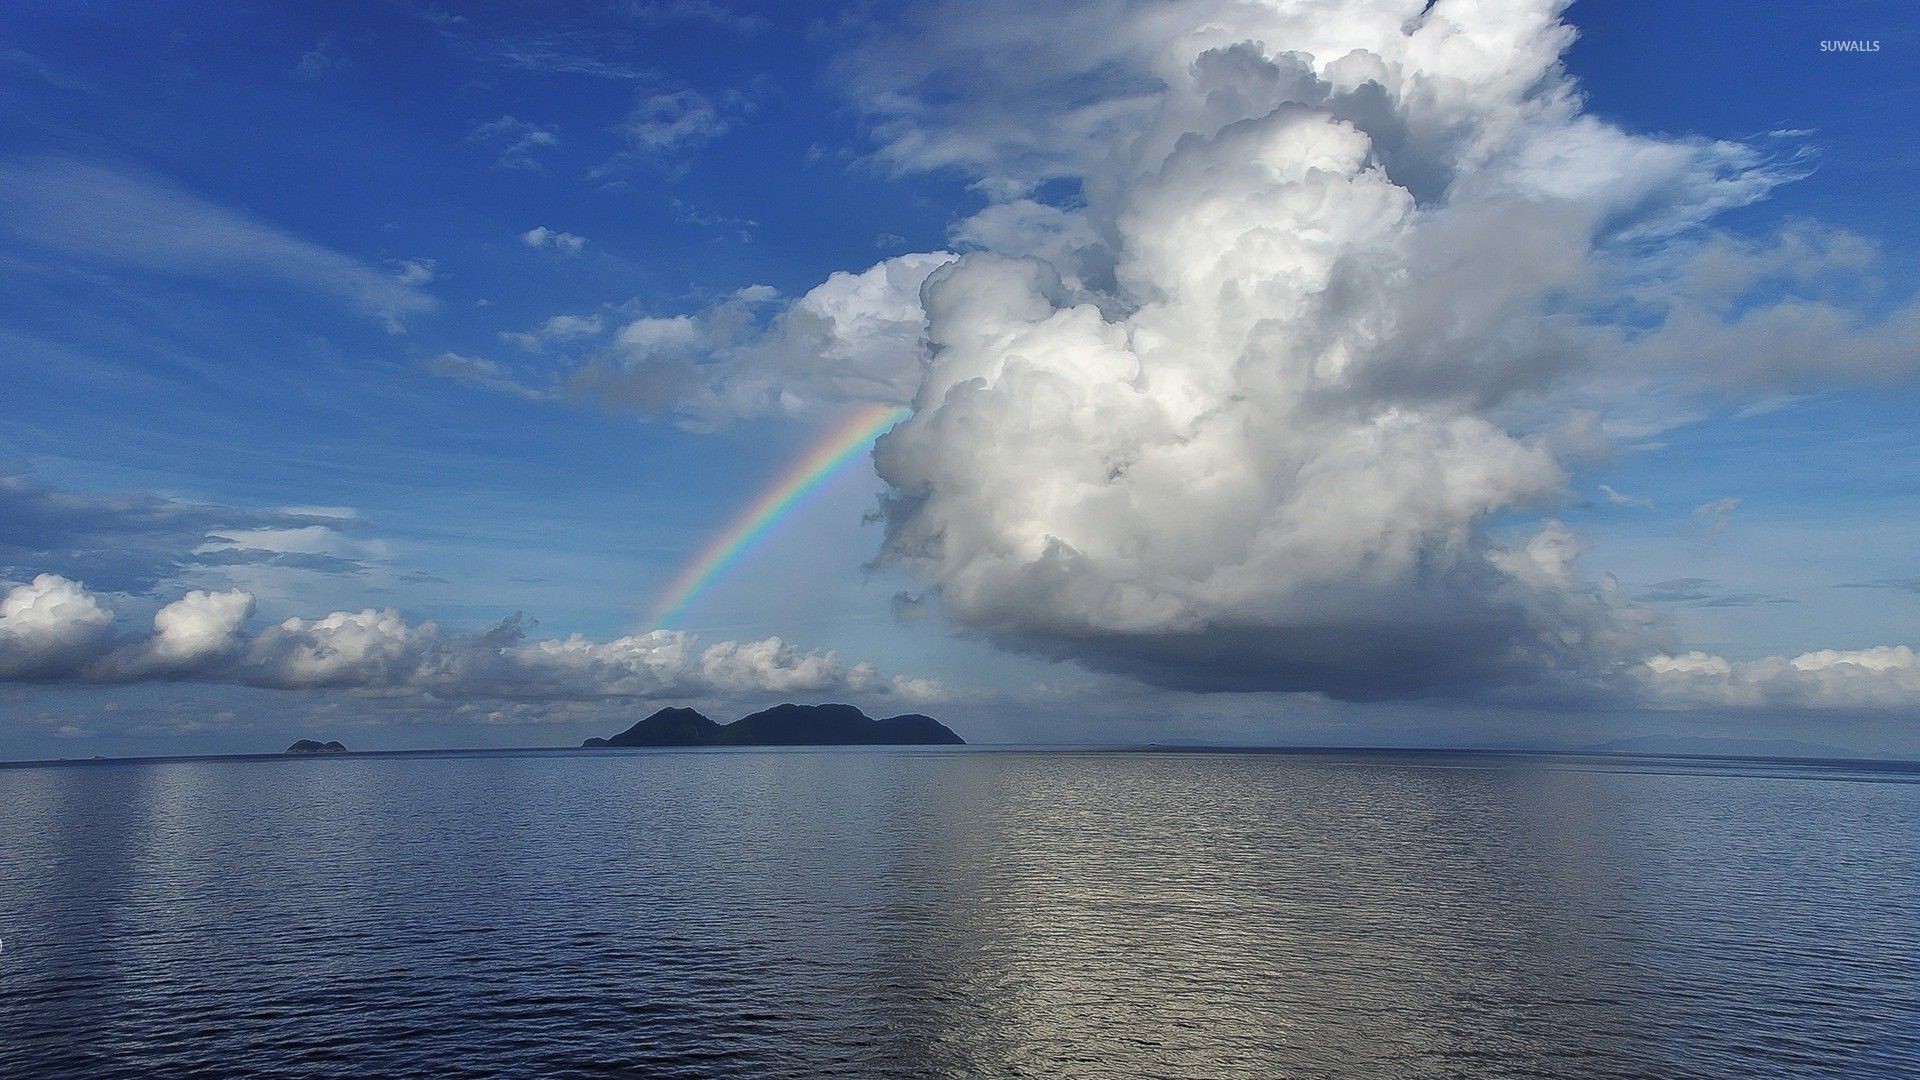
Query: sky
(1364, 372)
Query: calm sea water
(959, 913)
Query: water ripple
(969, 914)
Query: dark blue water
(928, 913)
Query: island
(309, 746)
(785, 725)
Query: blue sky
(305, 265)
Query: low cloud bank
(1885, 676)
(55, 630)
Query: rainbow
(782, 497)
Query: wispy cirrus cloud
(325, 58)
(666, 127)
(19, 61)
(1622, 499)
(484, 374)
(594, 49)
(557, 330)
(515, 142)
(679, 119)
(720, 16)
(563, 55)
(130, 220)
(1911, 585)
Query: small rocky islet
(314, 746)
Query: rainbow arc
(787, 492)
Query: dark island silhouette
(309, 746)
(785, 725)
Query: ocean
(960, 912)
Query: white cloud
(1616, 498)
(129, 221)
(653, 337)
(678, 120)
(1715, 515)
(559, 329)
(516, 142)
(738, 228)
(49, 627)
(373, 649)
(379, 651)
(853, 338)
(565, 327)
(54, 629)
(486, 374)
(414, 272)
(922, 691)
(197, 627)
(320, 61)
(1024, 228)
(564, 242)
(1885, 676)
(562, 53)
(1767, 320)
(706, 11)
(297, 540)
(769, 665)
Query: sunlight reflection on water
(911, 913)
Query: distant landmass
(1712, 746)
(309, 746)
(785, 725)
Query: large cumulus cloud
(1344, 285)
(48, 626)
(56, 630)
